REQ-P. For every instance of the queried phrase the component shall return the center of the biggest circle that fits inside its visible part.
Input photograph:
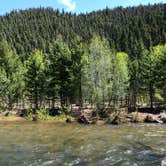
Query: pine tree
(63, 70)
(78, 50)
(35, 77)
(11, 75)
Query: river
(60, 144)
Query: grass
(43, 115)
(10, 117)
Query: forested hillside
(110, 58)
(125, 28)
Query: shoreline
(113, 119)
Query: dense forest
(109, 58)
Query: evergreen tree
(63, 70)
(160, 70)
(35, 77)
(11, 75)
(78, 51)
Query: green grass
(43, 115)
(10, 117)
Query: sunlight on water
(44, 144)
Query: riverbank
(88, 116)
(12, 119)
(136, 117)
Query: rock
(129, 116)
(138, 117)
(6, 113)
(151, 119)
(162, 117)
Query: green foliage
(160, 69)
(152, 78)
(31, 117)
(60, 75)
(124, 28)
(74, 66)
(121, 77)
(43, 114)
(99, 71)
(11, 75)
(35, 76)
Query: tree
(78, 51)
(150, 75)
(35, 77)
(61, 70)
(100, 71)
(120, 78)
(11, 75)
(160, 71)
(52, 79)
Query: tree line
(94, 74)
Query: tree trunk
(62, 99)
(36, 100)
(80, 92)
(10, 104)
(53, 103)
(151, 94)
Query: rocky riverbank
(89, 116)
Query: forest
(112, 58)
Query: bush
(43, 114)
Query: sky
(77, 6)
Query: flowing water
(57, 144)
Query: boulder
(151, 119)
(6, 113)
(138, 117)
(162, 117)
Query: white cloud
(70, 4)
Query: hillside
(126, 28)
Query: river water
(58, 144)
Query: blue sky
(70, 5)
